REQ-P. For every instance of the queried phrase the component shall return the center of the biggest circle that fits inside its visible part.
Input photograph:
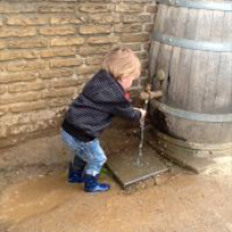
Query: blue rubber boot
(75, 176)
(92, 185)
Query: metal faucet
(147, 94)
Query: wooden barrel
(191, 51)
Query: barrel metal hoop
(193, 145)
(224, 6)
(214, 118)
(192, 44)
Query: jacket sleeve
(124, 110)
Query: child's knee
(104, 159)
(101, 159)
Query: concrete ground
(183, 203)
(180, 201)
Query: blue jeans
(90, 152)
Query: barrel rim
(192, 44)
(193, 145)
(208, 5)
(202, 117)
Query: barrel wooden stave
(195, 81)
(195, 69)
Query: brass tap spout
(147, 94)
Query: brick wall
(49, 49)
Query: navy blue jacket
(92, 111)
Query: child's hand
(142, 111)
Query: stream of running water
(142, 126)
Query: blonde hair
(121, 63)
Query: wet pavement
(184, 202)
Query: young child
(103, 97)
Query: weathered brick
(59, 102)
(63, 0)
(43, 114)
(23, 21)
(144, 79)
(56, 8)
(144, 1)
(142, 55)
(58, 30)
(96, 60)
(58, 92)
(29, 43)
(19, 97)
(151, 8)
(4, 110)
(3, 44)
(86, 51)
(145, 64)
(148, 27)
(146, 46)
(93, 8)
(25, 87)
(17, 77)
(3, 89)
(132, 46)
(130, 18)
(144, 74)
(15, 119)
(95, 29)
(66, 20)
(27, 106)
(129, 7)
(128, 28)
(3, 131)
(65, 62)
(104, 18)
(85, 78)
(142, 37)
(8, 55)
(67, 41)
(18, 66)
(103, 40)
(17, 32)
(6, 8)
(18, 54)
(22, 129)
(64, 82)
(61, 72)
(58, 52)
(87, 69)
